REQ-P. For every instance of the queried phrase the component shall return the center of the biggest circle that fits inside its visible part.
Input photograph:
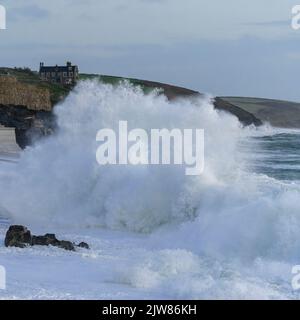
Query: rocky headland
(27, 103)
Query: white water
(154, 232)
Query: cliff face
(282, 114)
(245, 117)
(29, 125)
(27, 108)
(13, 92)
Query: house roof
(56, 68)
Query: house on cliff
(64, 75)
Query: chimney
(41, 64)
(69, 64)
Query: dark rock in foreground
(20, 236)
(83, 245)
(29, 125)
(50, 239)
(17, 236)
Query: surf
(231, 232)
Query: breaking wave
(227, 211)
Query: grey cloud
(275, 23)
(248, 66)
(28, 12)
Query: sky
(232, 47)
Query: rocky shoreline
(29, 125)
(20, 237)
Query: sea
(232, 232)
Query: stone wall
(13, 92)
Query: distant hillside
(278, 113)
(171, 91)
(255, 111)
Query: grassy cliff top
(57, 92)
(25, 75)
(170, 91)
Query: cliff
(278, 113)
(13, 92)
(26, 104)
(245, 117)
(30, 125)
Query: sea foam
(226, 211)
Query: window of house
(71, 74)
(53, 74)
(48, 74)
(43, 74)
(65, 74)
